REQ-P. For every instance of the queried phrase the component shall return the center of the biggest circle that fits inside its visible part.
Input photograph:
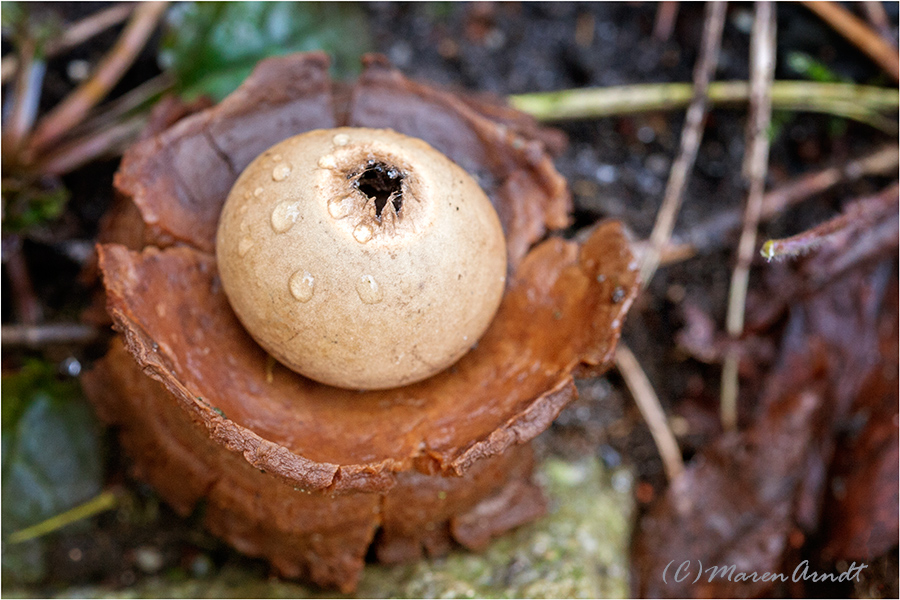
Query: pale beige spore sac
(408, 256)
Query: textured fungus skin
(318, 536)
(348, 292)
(310, 476)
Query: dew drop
(327, 162)
(283, 216)
(368, 289)
(302, 285)
(362, 233)
(277, 157)
(339, 208)
(258, 192)
(281, 171)
(244, 245)
(341, 139)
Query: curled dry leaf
(827, 415)
(861, 504)
(307, 475)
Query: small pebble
(646, 134)
(606, 174)
(202, 566)
(71, 367)
(149, 560)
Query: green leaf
(51, 460)
(810, 68)
(212, 46)
(12, 16)
(31, 206)
(22, 22)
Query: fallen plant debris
(861, 215)
(750, 498)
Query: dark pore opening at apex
(382, 183)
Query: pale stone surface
(579, 550)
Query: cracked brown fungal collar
(405, 470)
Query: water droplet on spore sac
(302, 285)
(281, 172)
(283, 216)
(368, 289)
(327, 162)
(362, 233)
(339, 208)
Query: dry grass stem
(38, 336)
(76, 34)
(872, 105)
(26, 99)
(666, 14)
(107, 142)
(878, 17)
(762, 71)
(648, 403)
(105, 501)
(859, 215)
(880, 239)
(859, 34)
(712, 234)
(690, 139)
(25, 301)
(83, 30)
(73, 109)
(113, 111)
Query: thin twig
(102, 503)
(881, 238)
(81, 31)
(690, 139)
(648, 403)
(867, 104)
(859, 215)
(666, 14)
(711, 235)
(110, 142)
(8, 67)
(878, 17)
(859, 34)
(28, 308)
(39, 336)
(26, 99)
(73, 109)
(111, 112)
(75, 34)
(762, 71)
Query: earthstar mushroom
(361, 258)
(313, 477)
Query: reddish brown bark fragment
(555, 316)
